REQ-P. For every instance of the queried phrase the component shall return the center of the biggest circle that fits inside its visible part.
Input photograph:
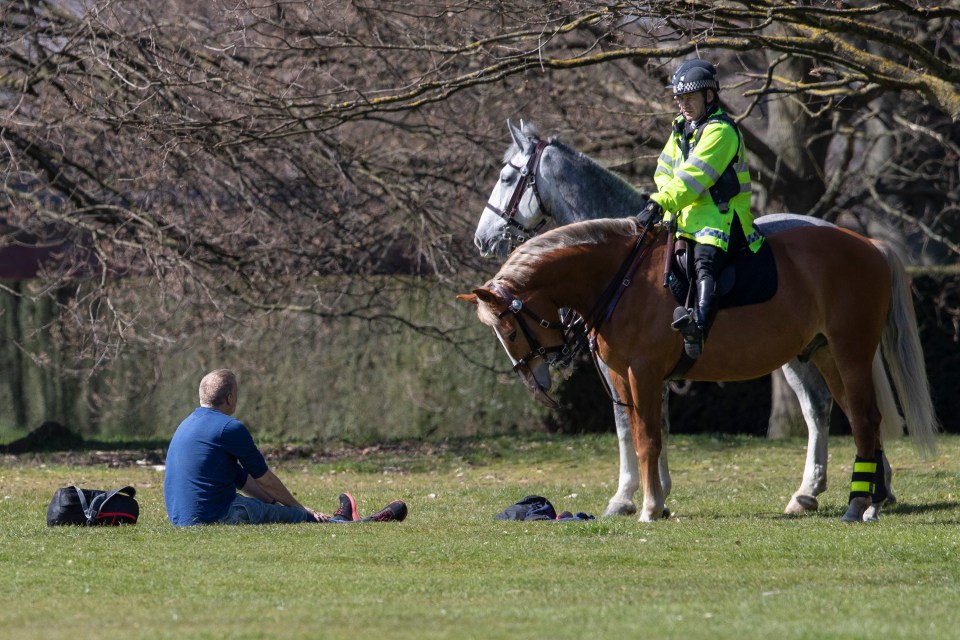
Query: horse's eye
(512, 337)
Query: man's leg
(245, 510)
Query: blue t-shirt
(208, 459)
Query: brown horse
(840, 298)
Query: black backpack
(92, 507)
(530, 508)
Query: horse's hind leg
(892, 424)
(851, 383)
(816, 403)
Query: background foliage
(178, 172)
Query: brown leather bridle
(528, 180)
(519, 310)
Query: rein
(607, 303)
(576, 330)
(528, 179)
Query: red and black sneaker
(347, 511)
(396, 511)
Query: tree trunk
(795, 185)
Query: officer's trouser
(709, 262)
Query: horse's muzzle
(539, 391)
(499, 247)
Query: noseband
(528, 179)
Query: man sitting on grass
(212, 455)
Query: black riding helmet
(693, 76)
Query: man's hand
(651, 214)
(319, 517)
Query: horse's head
(514, 212)
(530, 332)
(544, 180)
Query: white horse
(543, 180)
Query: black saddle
(749, 278)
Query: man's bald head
(216, 387)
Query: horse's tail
(892, 425)
(904, 358)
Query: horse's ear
(485, 295)
(469, 297)
(529, 130)
(522, 141)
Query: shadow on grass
(897, 509)
(919, 509)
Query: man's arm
(274, 489)
(253, 489)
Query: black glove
(651, 214)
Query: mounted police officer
(703, 183)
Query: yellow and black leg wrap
(868, 479)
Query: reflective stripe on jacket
(684, 183)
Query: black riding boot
(706, 302)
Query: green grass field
(728, 564)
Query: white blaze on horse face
(492, 237)
(503, 344)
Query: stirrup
(692, 333)
(682, 319)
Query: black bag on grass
(92, 507)
(530, 508)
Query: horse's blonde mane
(524, 260)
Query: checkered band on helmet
(694, 75)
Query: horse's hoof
(801, 504)
(653, 516)
(620, 509)
(872, 514)
(858, 509)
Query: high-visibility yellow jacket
(684, 182)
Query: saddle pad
(750, 279)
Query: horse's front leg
(622, 503)
(645, 399)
